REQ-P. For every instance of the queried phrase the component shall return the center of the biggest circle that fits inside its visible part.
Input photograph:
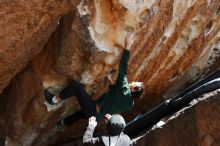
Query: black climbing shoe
(49, 97)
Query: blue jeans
(88, 107)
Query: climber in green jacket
(117, 100)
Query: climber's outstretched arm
(123, 66)
(88, 136)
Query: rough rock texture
(177, 42)
(197, 126)
(185, 41)
(25, 115)
(25, 28)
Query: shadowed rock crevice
(47, 44)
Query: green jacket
(118, 99)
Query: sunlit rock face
(174, 39)
(177, 42)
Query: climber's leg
(87, 112)
(88, 107)
(75, 88)
(71, 90)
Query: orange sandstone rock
(177, 42)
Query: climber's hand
(129, 40)
(107, 117)
(92, 121)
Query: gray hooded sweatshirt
(118, 140)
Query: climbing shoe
(49, 97)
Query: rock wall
(177, 42)
(25, 28)
(197, 126)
